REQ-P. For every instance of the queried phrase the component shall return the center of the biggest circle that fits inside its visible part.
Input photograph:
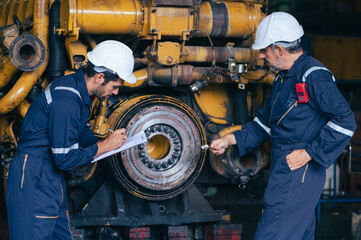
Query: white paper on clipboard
(135, 140)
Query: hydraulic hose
(56, 65)
(240, 106)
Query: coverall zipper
(47, 217)
(293, 105)
(275, 100)
(62, 194)
(304, 173)
(22, 178)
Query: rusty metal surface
(175, 2)
(229, 164)
(27, 52)
(220, 19)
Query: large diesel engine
(197, 79)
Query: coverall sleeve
(334, 136)
(64, 124)
(87, 137)
(254, 133)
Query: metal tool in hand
(205, 147)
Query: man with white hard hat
(55, 136)
(309, 123)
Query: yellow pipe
(142, 80)
(100, 127)
(11, 12)
(229, 130)
(3, 14)
(7, 71)
(21, 8)
(133, 17)
(205, 54)
(27, 80)
(242, 18)
(23, 108)
(253, 76)
(105, 17)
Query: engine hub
(172, 158)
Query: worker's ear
(99, 78)
(280, 50)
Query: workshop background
(333, 35)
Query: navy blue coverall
(54, 136)
(323, 127)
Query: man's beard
(278, 65)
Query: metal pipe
(142, 78)
(105, 17)
(142, 81)
(260, 76)
(27, 80)
(133, 17)
(186, 75)
(100, 125)
(205, 54)
(229, 19)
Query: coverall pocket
(289, 107)
(42, 227)
(284, 163)
(30, 170)
(47, 194)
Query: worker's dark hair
(108, 76)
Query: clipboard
(135, 140)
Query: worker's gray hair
(291, 47)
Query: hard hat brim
(257, 46)
(131, 79)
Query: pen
(110, 130)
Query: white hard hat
(115, 57)
(277, 27)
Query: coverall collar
(298, 65)
(83, 88)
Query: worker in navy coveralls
(55, 136)
(307, 135)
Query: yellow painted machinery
(198, 79)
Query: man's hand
(218, 146)
(115, 140)
(297, 158)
